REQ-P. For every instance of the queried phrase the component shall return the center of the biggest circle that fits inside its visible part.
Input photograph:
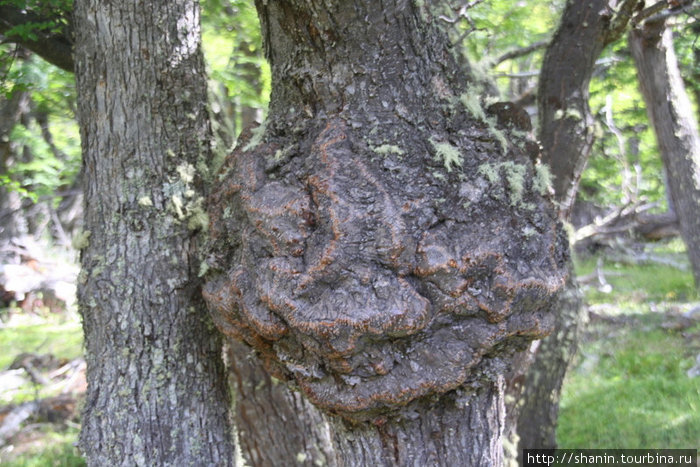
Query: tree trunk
(275, 426)
(382, 242)
(567, 136)
(157, 392)
(12, 220)
(537, 421)
(565, 122)
(674, 123)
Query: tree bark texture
(382, 242)
(675, 127)
(157, 392)
(275, 426)
(537, 419)
(279, 426)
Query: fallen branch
(632, 217)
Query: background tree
(671, 114)
(156, 385)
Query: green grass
(47, 448)
(634, 394)
(61, 336)
(628, 386)
(63, 339)
(640, 283)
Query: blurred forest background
(636, 380)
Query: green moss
(186, 172)
(515, 176)
(258, 133)
(543, 179)
(438, 175)
(490, 171)
(529, 232)
(497, 134)
(386, 149)
(571, 113)
(145, 201)
(177, 204)
(471, 100)
(81, 240)
(447, 154)
(197, 219)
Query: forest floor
(635, 382)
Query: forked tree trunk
(157, 391)
(382, 243)
(676, 130)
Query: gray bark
(382, 242)
(157, 391)
(675, 127)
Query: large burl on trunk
(381, 239)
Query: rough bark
(382, 243)
(537, 421)
(275, 426)
(157, 391)
(671, 114)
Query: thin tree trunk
(157, 392)
(566, 128)
(381, 242)
(567, 136)
(674, 123)
(12, 220)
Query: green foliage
(499, 26)
(233, 50)
(40, 166)
(44, 173)
(619, 168)
(54, 17)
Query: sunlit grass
(59, 336)
(628, 387)
(635, 395)
(643, 283)
(45, 447)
